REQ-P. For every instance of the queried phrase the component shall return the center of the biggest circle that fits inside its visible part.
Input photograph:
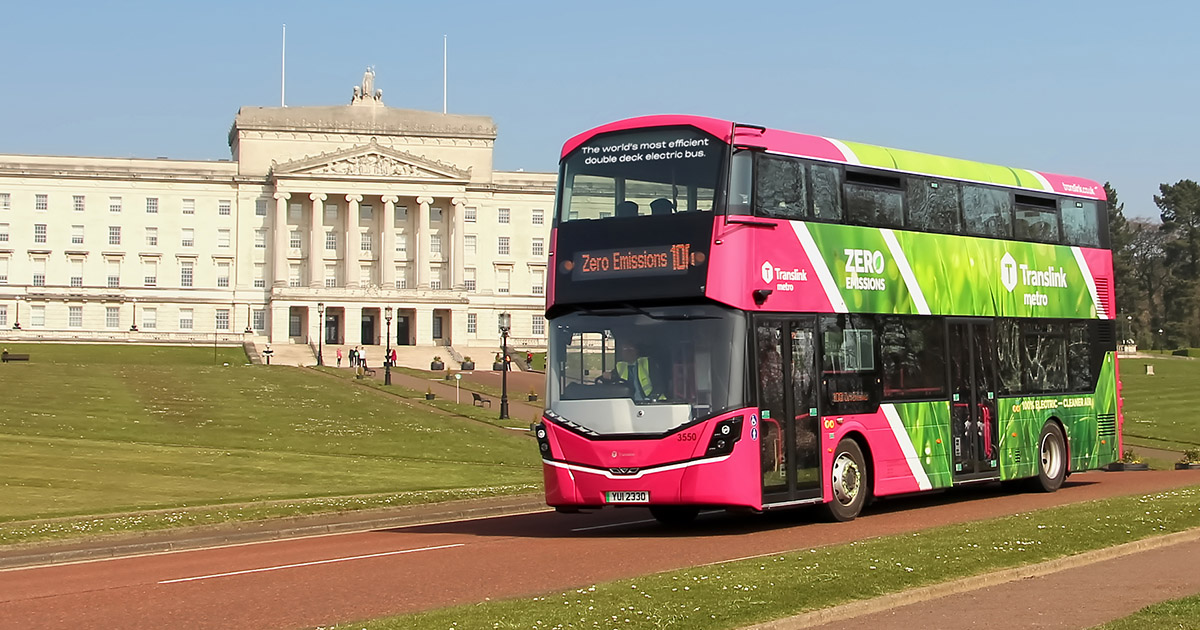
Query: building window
(37, 316)
(3, 232)
(186, 271)
(469, 246)
(149, 318)
(401, 242)
(365, 212)
(294, 275)
(39, 233)
(365, 276)
(260, 281)
(75, 316)
(469, 214)
(330, 213)
(502, 246)
(401, 278)
(77, 234)
(76, 272)
(331, 240)
(223, 274)
(5, 201)
(260, 319)
(41, 203)
(537, 325)
(186, 318)
(152, 237)
(435, 243)
(401, 215)
(151, 205)
(539, 281)
(3, 316)
(4, 270)
(503, 215)
(260, 239)
(503, 279)
(224, 207)
(114, 204)
(78, 203)
(365, 241)
(472, 323)
(112, 316)
(114, 235)
(150, 273)
(187, 237)
(260, 207)
(223, 237)
(114, 274)
(189, 206)
(39, 272)
(469, 279)
(222, 319)
(538, 248)
(539, 216)
(294, 239)
(294, 211)
(330, 277)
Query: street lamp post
(387, 356)
(17, 321)
(133, 325)
(505, 326)
(1161, 344)
(320, 333)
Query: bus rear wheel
(674, 515)
(848, 479)
(1052, 459)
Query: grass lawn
(1160, 410)
(87, 430)
(739, 593)
(1178, 614)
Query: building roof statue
(366, 93)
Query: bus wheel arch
(849, 478)
(1053, 458)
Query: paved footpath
(1076, 592)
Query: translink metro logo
(1008, 272)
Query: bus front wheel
(1052, 459)
(848, 478)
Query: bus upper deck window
(741, 180)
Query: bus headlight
(539, 431)
(725, 435)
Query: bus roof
(855, 154)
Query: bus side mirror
(760, 295)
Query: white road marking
(308, 564)
(584, 529)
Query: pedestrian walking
(339, 357)
(354, 356)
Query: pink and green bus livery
(746, 318)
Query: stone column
(420, 255)
(279, 245)
(423, 326)
(387, 241)
(350, 241)
(457, 262)
(316, 241)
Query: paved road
(337, 578)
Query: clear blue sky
(1105, 90)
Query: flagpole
(443, 74)
(283, 71)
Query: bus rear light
(725, 435)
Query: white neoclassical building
(323, 213)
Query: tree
(1128, 295)
(1180, 205)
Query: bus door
(973, 416)
(786, 373)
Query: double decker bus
(748, 318)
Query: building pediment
(371, 161)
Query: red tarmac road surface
(338, 578)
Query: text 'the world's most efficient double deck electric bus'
(748, 318)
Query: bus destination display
(656, 260)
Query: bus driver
(633, 368)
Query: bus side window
(781, 189)
(741, 181)
(826, 186)
(987, 212)
(933, 205)
(1081, 222)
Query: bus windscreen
(645, 172)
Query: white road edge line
(641, 522)
(308, 564)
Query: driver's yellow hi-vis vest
(643, 374)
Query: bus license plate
(627, 496)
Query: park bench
(9, 356)
(478, 400)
